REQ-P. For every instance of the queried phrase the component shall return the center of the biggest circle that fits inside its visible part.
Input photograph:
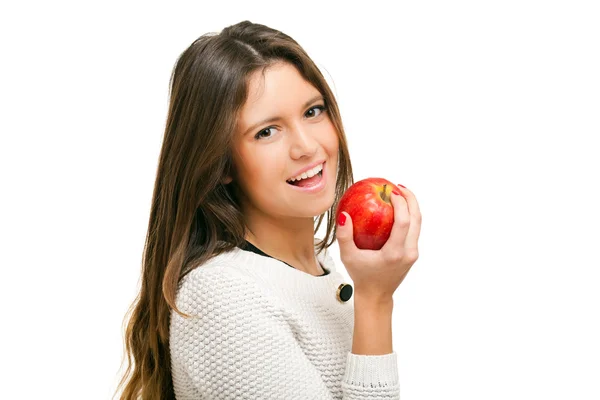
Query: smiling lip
(318, 187)
(309, 167)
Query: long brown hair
(194, 216)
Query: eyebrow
(272, 119)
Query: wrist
(373, 303)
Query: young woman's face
(269, 153)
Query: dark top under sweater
(250, 247)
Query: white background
(487, 111)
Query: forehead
(280, 90)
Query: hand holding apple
(378, 229)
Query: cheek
(262, 167)
(249, 161)
(333, 142)
(335, 146)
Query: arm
(372, 326)
(372, 370)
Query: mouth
(308, 182)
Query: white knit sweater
(264, 330)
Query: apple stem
(384, 195)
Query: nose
(303, 142)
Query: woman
(238, 298)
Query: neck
(290, 240)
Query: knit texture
(262, 330)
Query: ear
(227, 180)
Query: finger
(400, 227)
(412, 237)
(345, 235)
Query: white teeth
(308, 174)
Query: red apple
(368, 204)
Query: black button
(344, 292)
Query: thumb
(344, 233)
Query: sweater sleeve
(236, 344)
(371, 377)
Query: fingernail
(341, 219)
(402, 186)
(396, 191)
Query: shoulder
(218, 283)
(218, 298)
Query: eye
(321, 108)
(258, 135)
